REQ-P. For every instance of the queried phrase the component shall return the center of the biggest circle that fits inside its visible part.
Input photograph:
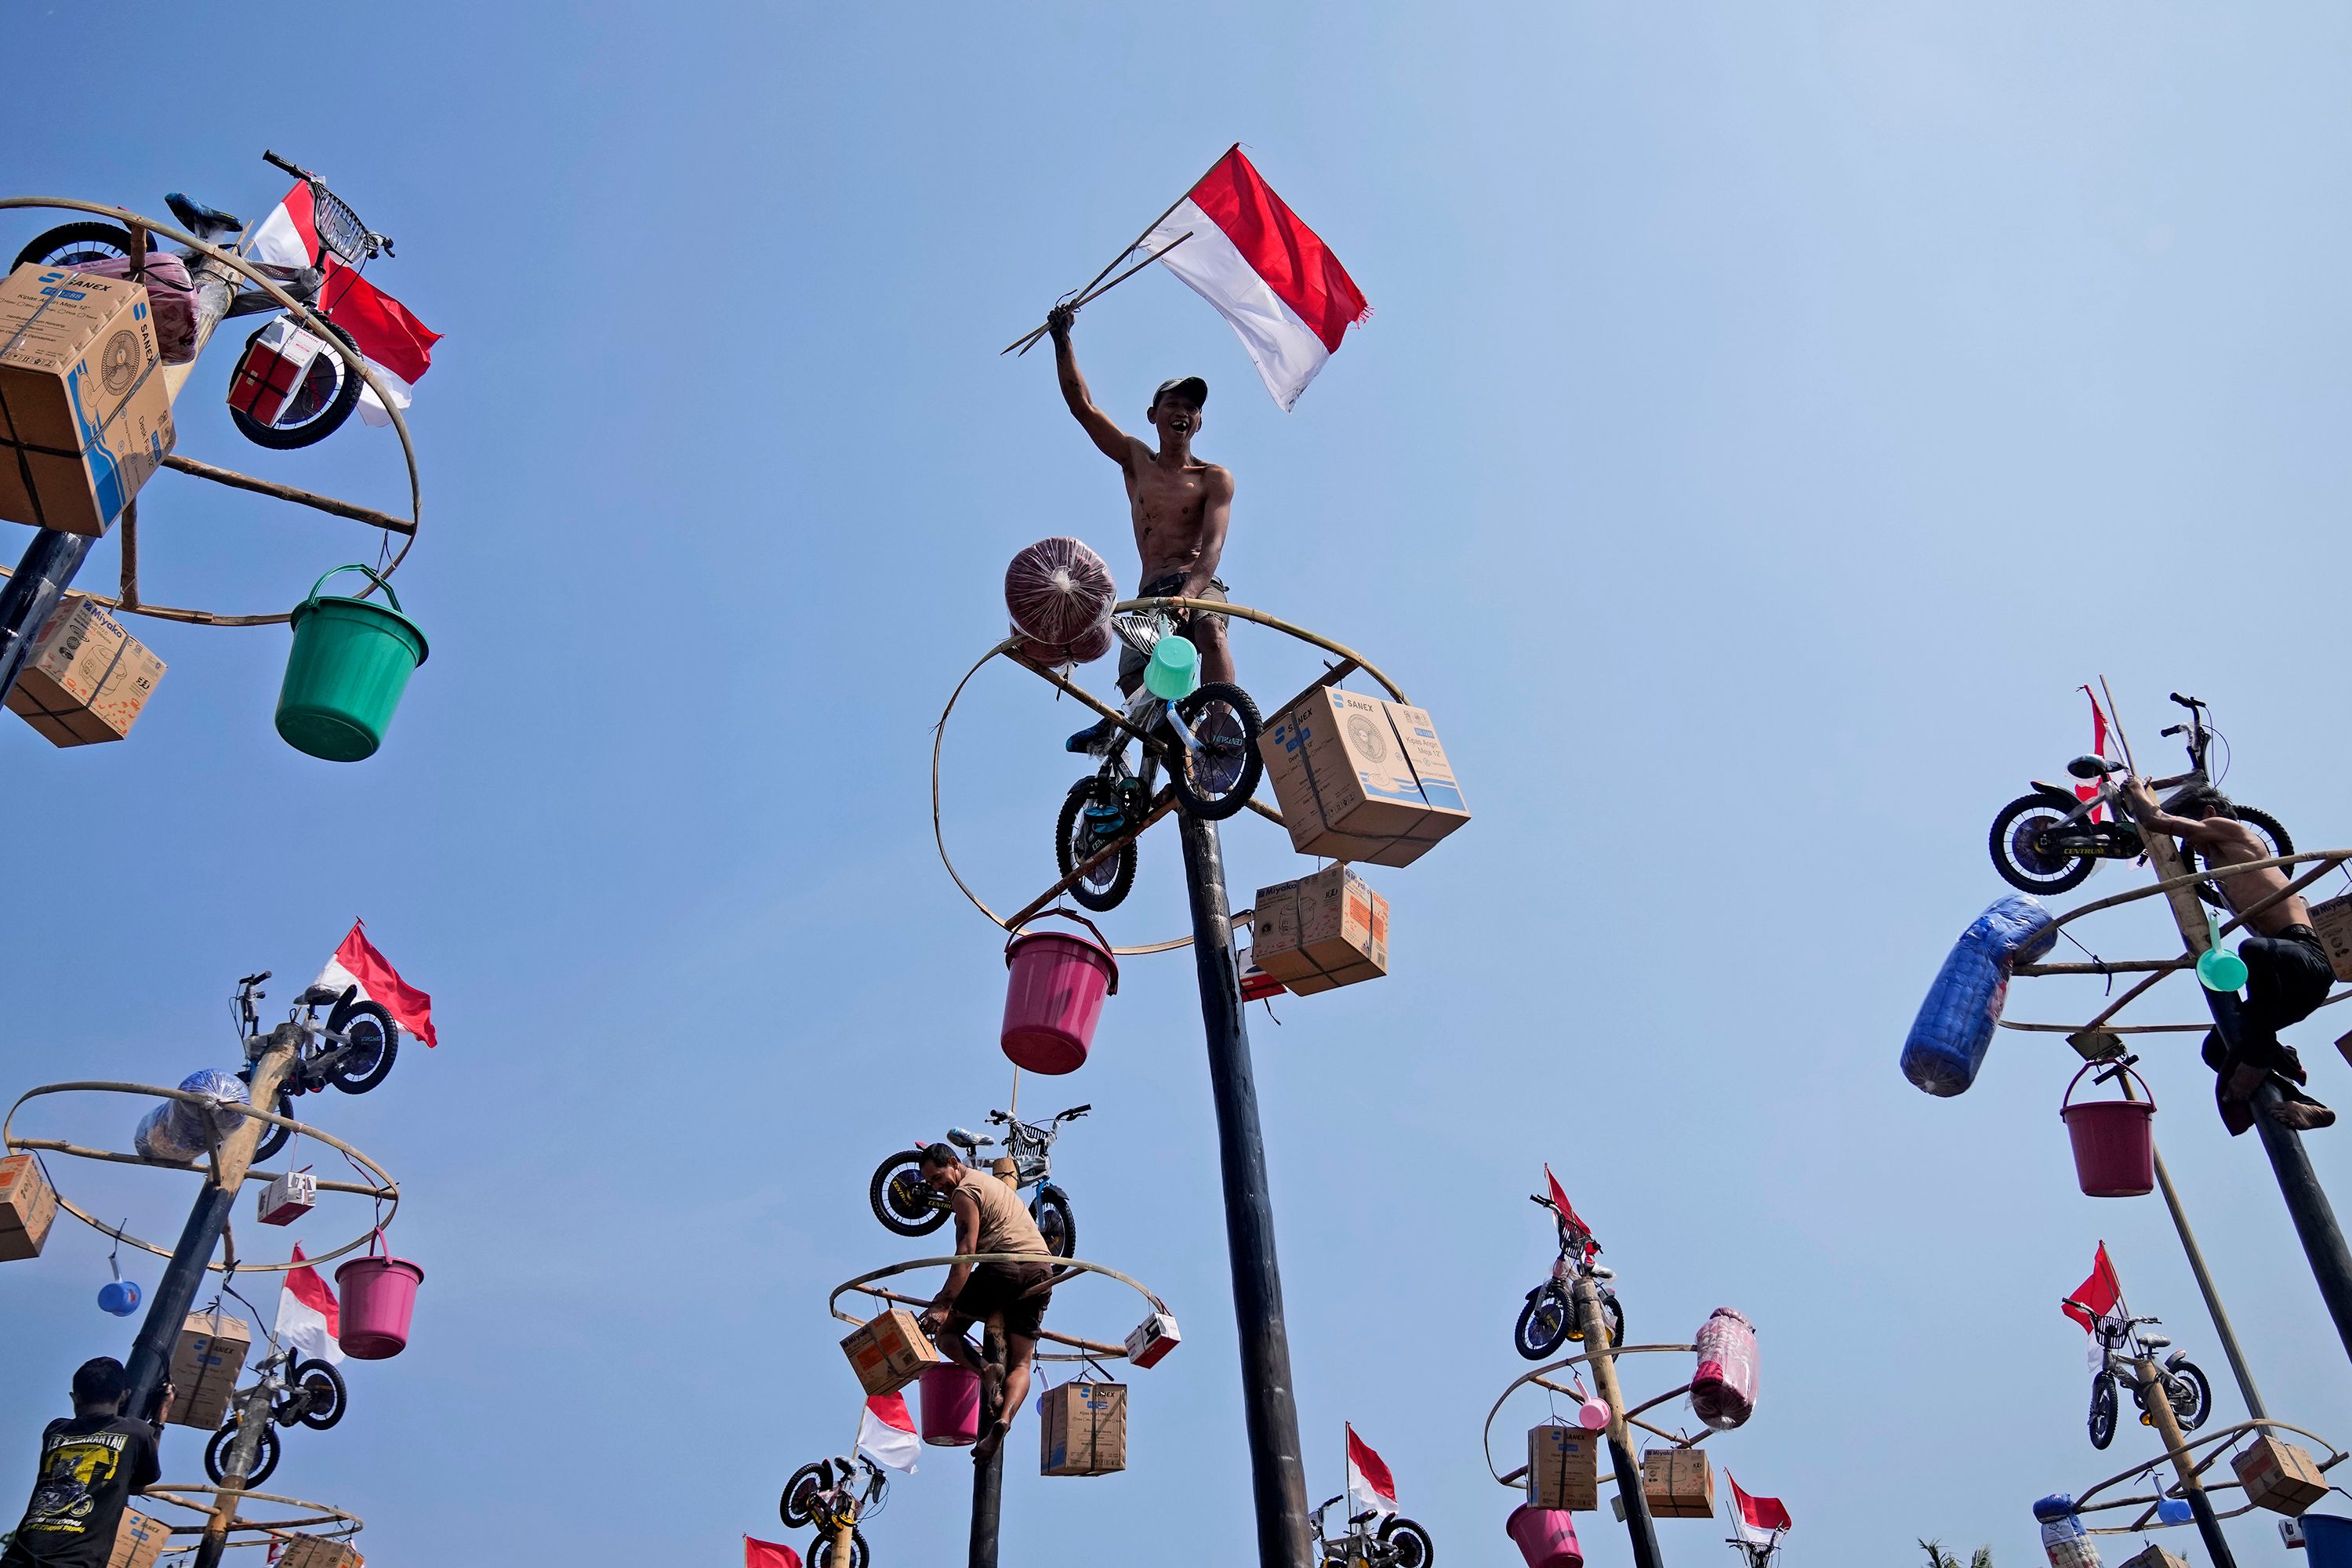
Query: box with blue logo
(84, 418)
(1360, 779)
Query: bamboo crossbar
(1093, 1347)
(59, 1146)
(310, 498)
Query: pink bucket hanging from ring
(2114, 1139)
(1546, 1537)
(379, 1294)
(1053, 996)
(951, 1405)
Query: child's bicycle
(354, 1050)
(903, 1201)
(1207, 740)
(310, 1393)
(826, 1494)
(1396, 1542)
(2122, 1347)
(1550, 1318)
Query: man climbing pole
(91, 1461)
(1180, 506)
(2287, 971)
(989, 1218)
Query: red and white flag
(2089, 789)
(1370, 1487)
(1568, 1214)
(887, 1433)
(396, 345)
(357, 962)
(1269, 275)
(1757, 1521)
(2096, 1302)
(769, 1555)
(308, 1318)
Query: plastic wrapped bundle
(1723, 1389)
(176, 1130)
(1058, 592)
(1052, 656)
(2063, 1536)
(1954, 1028)
(172, 293)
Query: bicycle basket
(340, 229)
(1142, 630)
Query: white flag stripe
(1286, 349)
(885, 1441)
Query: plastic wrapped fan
(1052, 656)
(1058, 592)
(1723, 1389)
(172, 293)
(178, 1130)
(1955, 1026)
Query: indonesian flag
(1568, 1211)
(887, 1433)
(2096, 1302)
(2089, 790)
(1756, 1521)
(1370, 1487)
(769, 1555)
(1286, 295)
(357, 962)
(307, 1318)
(396, 345)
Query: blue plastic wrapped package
(1954, 1028)
(176, 1130)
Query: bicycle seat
(2092, 767)
(2155, 1343)
(205, 223)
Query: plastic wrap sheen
(1723, 1389)
(1058, 592)
(170, 293)
(178, 1130)
(1954, 1029)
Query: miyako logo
(1366, 735)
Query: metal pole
(988, 1475)
(2158, 1406)
(2220, 1316)
(1640, 1529)
(1269, 1404)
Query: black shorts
(2287, 976)
(1001, 1290)
(1131, 663)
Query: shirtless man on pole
(1181, 506)
(2287, 971)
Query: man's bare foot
(2302, 1115)
(990, 1441)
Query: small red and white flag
(1370, 1487)
(357, 962)
(1569, 1217)
(769, 1555)
(309, 1320)
(396, 345)
(1270, 276)
(887, 1433)
(2089, 789)
(1756, 1521)
(2097, 1301)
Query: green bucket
(350, 662)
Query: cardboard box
(84, 417)
(28, 1206)
(1083, 1429)
(1360, 779)
(87, 679)
(1678, 1483)
(1320, 931)
(205, 1365)
(2156, 1557)
(317, 1551)
(890, 1352)
(287, 1198)
(1562, 1468)
(272, 366)
(1149, 1342)
(139, 1540)
(2333, 922)
(2279, 1476)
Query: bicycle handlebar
(2189, 702)
(296, 170)
(1075, 1111)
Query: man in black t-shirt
(91, 1461)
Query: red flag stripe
(1292, 257)
(411, 1007)
(1759, 1512)
(313, 1293)
(769, 1555)
(1374, 1468)
(2096, 1296)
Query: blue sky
(1770, 416)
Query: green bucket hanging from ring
(350, 662)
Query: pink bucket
(1055, 997)
(951, 1405)
(1546, 1537)
(378, 1295)
(2114, 1144)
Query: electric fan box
(1320, 931)
(1562, 1468)
(85, 419)
(139, 1540)
(1082, 1429)
(2279, 1476)
(1678, 1483)
(28, 1207)
(206, 1364)
(317, 1551)
(890, 1352)
(1358, 778)
(87, 679)
(2333, 922)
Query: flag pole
(1025, 344)
(1139, 240)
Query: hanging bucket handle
(380, 580)
(2124, 1071)
(1070, 915)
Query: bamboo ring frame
(338, 1524)
(387, 1192)
(1087, 1350)
(1486, 1433)
(2214, 1440)
(353, 363)
(1007, 648)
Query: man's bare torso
(1169, 508)
(2232, 844)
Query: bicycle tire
(274, 1137)
(1232, 745)
(311, 428)
(1409, 1541)
(2191, 1403)
(807, 1482)
(1543, 1323)
(1056, 1222)
(76, 240)
(1074, 841)
(312, 1375)
(2103, 1411)
(357, 1074)
(265, 1455)
(821, 1554)
(889, 1206)
(2018, 863)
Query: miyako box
(1320, 931)
(28, 1207)
(84, 417)
(87, 679)
(1360, 779)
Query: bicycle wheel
(1543, 1325)
(374, 1041)
(1408, 1542)
(2193, 1395)
(76, 245)
(1056, 1223)
(1217, 780)
(2017, 852)
(265, 1456)
(800, 1496)
(329, 392)
(328, 1397)
(821, 1556)
(2103, 1411)
(273, 1137)
(1074, 839)
(901, 1198)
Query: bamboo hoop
(1537, 1378)
(1087, 1350)
(2212, 1440)
(340, 1524)
(354, 363)
(1007, 649)
(387, 1191)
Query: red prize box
(1152, 1340)
(287, 1198)
(273, 366)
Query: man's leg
(2285, 981)
(1019, 1350)
(1208, 634)
(955, 1346)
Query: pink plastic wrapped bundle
(1723, 1389)
(172, 292)
(1052, 656)
(1059, 592)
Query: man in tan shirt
(989, 1218)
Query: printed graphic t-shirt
(90, 1466)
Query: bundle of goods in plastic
(1954, 1028)
(177, 1129)
(1723, 1389)
(1059, 594)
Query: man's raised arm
(1108, 438)
(2154, 819)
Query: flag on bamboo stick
(308, 1318)
(2089, 789)
(886, 1432)
(769, 1555)
(1756, 1519)
(1370, 1487)
(1267, 274)
(357, 962)
(1568, 1214)
(2097, 1303)
(396, 345)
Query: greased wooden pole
(1639, 1527)
(2158, 1406)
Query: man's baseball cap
(1192, 386)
